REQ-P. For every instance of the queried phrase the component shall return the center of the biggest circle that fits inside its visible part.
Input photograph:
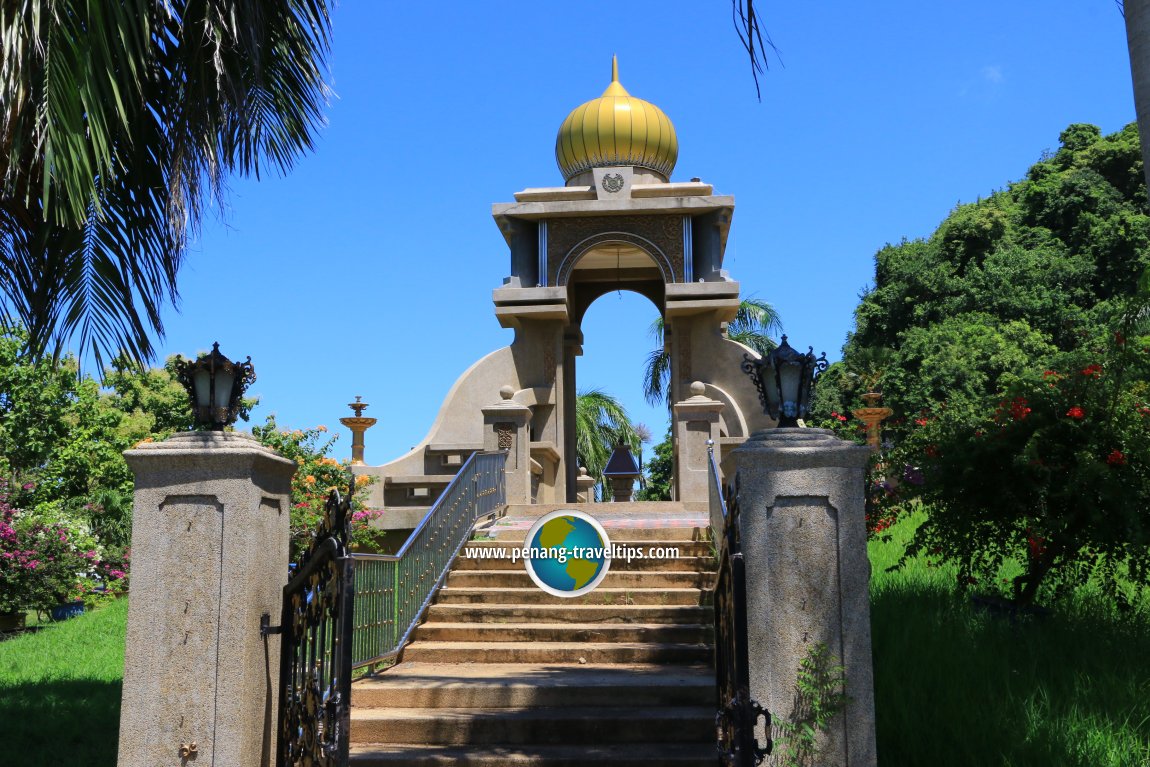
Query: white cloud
(992, 74)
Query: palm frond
(118, 119)
(601, 423)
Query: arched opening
(615, 290)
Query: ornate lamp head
(785, 379)
(215, 385)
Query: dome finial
(616, 130)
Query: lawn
(956, 686)
(60, 691)
(953, 685)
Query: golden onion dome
(616, 129)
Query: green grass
(60, 691)
(953, 685)
(956, 686)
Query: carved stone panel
(506, 432)
(569, 238)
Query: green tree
(752, 326)
(34, 399)
(118, 119)
(1055, 474)
(1017, 342)
(1007, 281)
(601, 424)
(660, 472)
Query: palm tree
(601, 423)
(752, 326)
(116, 121)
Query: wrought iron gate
(315, 652)
(738, 713)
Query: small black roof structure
(622, 464)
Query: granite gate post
(804, 544)
(209, 557)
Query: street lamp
(784, 379)
(215, 385)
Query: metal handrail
(737, 713)
(718, 505)
(392, 591)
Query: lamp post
(622, 471)
(784, 379)
(216, 385)
(358, 425)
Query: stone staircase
(503, 674)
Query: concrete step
(686, 546)
(495, 685)
(693, 529)
(555, 652)
(675, 564)
(570, 613)
(654, 754)
(634, 508)
(537, 726)
(518, 578)
(435, 631)
(601, 596)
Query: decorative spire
(616, 129)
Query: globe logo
(567, 553)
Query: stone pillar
(804, 543)
(505, 427)
(209, 557)
(586, 486)
(696, 423)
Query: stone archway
(595, 267)
(617, 223)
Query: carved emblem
(505, 431)
(612, 182)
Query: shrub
(316, 476)
(1055, 474)
(47, 559)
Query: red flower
(1018, 409)
(1050, 373)
(1116, 458)
(1092, 371)
(1076, 413)
(921, 421)
(1036, 543)
(1119, 338)
(839, 417)
(932, 451)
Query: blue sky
(368, 270)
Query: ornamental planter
(12, 621)
(67, 610)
